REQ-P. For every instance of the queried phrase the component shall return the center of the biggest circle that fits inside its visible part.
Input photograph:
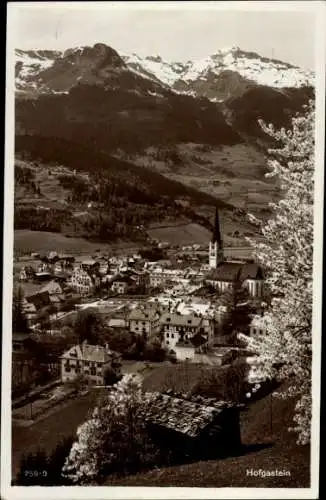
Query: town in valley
(163, 251)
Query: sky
(175, 31)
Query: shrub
(115, 440)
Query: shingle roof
(180, 320)
(187, 416)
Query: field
(26, 241)
(48, 432)
(183, 234)
(234, 174)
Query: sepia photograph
(163, 248)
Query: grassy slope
(46, 433)
(274, 450)
(234, 174)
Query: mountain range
(194, 122)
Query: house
(43, 276)
(117, 323)
(87, 360)
(82, 281)
(23, 274)
(141, 278)
(144, 321)
(194, 427)
(91, 265)
(122, 284)
(177, 327)
(44, 267)
(54, 290)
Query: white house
(177, 327)
(82, 282)
(87, 360)
(144, 321)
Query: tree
(115, 439)
(238, 304)
(287, 256)
(120, 341)
(19, 320)
(89, 326)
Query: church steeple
(216, 245)
(216, 236)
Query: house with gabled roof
(87, 360)
(82, 281)
(122, 284)
(178, 327)
(54, 290)
(144, 321)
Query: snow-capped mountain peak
(226, 73)
(248, 65)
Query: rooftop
(88, 352)
(185, 415)
(180, 320)
(233, 271)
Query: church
(225, 273)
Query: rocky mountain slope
(195, 122)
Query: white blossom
(287, 255)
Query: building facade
(144, 322)
(85, 360)
(177, 328)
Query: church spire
(215, 245)
(216, 236)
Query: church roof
(232, 271)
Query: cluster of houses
(186, 324)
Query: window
(167, 334)
(93, 370)
(172, 335)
